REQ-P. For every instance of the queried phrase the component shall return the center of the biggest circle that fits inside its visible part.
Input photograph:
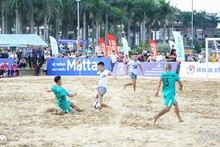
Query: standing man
(114, 59)
(133, 63)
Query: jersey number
(167, 82)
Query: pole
(192, 24)
(78, 24)
(207, 58)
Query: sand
(24, 121)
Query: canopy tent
(21, 40)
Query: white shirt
(113, 58)
(103, 78)
(134, 66)
(160, 58)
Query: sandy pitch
(24, 122)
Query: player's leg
(100, 92)
(177, 112)
(162, 112)
(76, 107)
(132, 81)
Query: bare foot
(155, 119)
(180, 120)
(57, 112)
(100, 108)
(80, 110)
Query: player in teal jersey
(169, 79)
(65, 104)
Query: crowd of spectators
(36, 57)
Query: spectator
(145, 54)
(173, 56)
(23, 63)
(214, 57)
(30, 55)
(47, 56)
(1, 72)
(96, 55)
(102, 55)
(203, 59)
(151, 58)
(121, 57)
(172, 50)
(114, 59)
(5, 54)
(200, 56)
(19, 55)
(89, 52)
(191, 58)
(35, 54)
(37, 66)
(13, 55)
(159, 57)
(126, 59)
(0, 53)
(83, 55)
(47, 50)
(5, 68)
(140, 57)
(45, 67)
(14, 69)
(41, 53)
(72, 55)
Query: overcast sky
(210, 6)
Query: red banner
(103, 46)
(112, 43)
(153, 47)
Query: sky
(209, 6)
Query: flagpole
(192, 25)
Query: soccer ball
(96, 105)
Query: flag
(103, 46)
(153, 47)
(54, 45)
(171, 43)
(78, 62)
(125, 46)
(179, 46)
(112, 43)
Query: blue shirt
(169, 82)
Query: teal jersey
(169, 83)
(60, 94)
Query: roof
(21, 40)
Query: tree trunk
(129, 32)
(93, 35)
(45, 28)
(106, 27)
(3, 21)
(56, 28)
(17, 25)
(38, 30)
(32, 22)
(115, 29)
(84, 28)
(144, 31)
(140, 33)
(96, 32)
(164, 33)
(149, 31)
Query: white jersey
(113, 58)
(103, 78)
(134, 66)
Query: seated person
(214, 58)
(191, 58)
(14, 69)
(22, 63)
(5, 68)
(173, 56)
(1, 72)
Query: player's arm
(141, 69)
(127, 69)
(181, 85)
(47, 90)
(158, 86)
(72, 95)
(112, 74)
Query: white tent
(21, 40)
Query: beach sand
(25, 122)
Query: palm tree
(213, 20)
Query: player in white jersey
(134, 63)
(102, 83)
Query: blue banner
(151, 69)
(75, 66)
(68, 41)
(9, 61)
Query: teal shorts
(169, 100)
(65, 107)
